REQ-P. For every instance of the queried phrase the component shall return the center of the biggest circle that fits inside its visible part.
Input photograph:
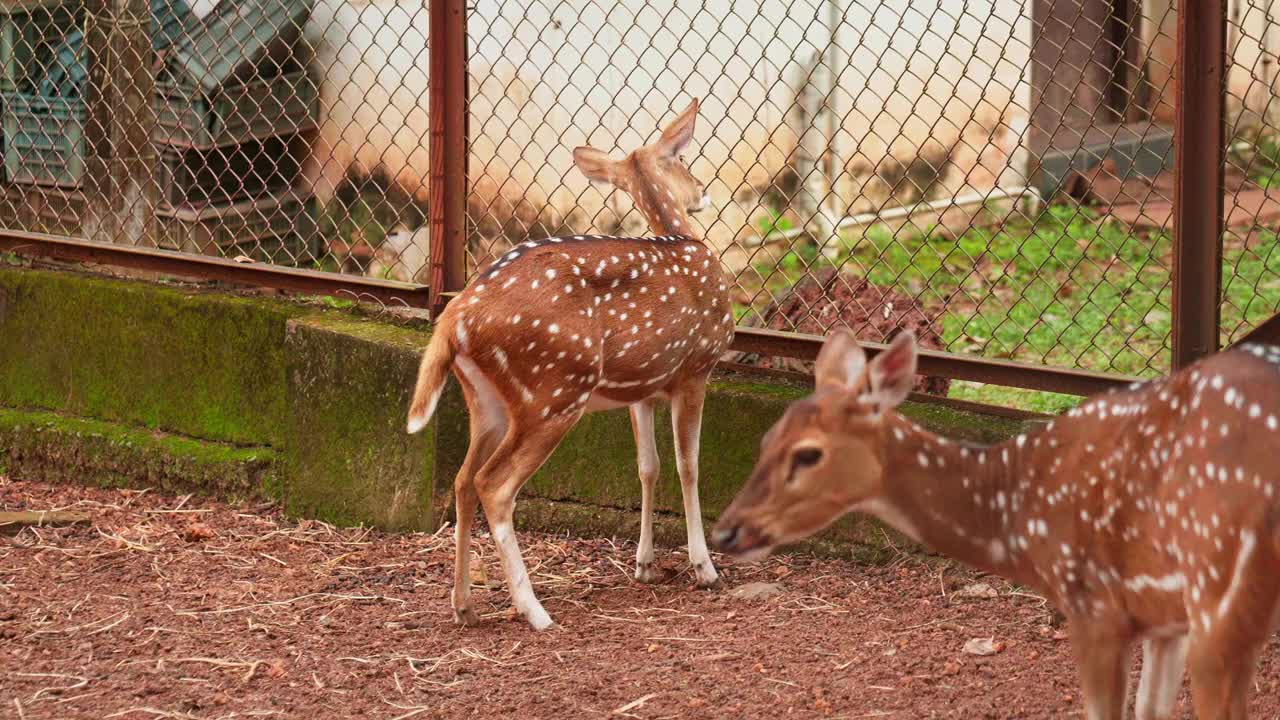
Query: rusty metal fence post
(1199, 140)
(448, 149)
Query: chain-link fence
(996, 176)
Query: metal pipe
(905, 212)
(941, 364)
(387, 292)
(1199, 137)
(210, 267)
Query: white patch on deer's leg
(518, 582)
(699, 556)
(647, 465)
(687, 431)
(1163, 665)
(490, 411)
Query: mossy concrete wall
(104, 378)
(199, 364)
(57, 448)
(349, 458)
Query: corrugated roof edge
(232, 40)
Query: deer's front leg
(1163, 665)
(647, 465)
(686, 422)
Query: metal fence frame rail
(1200, 136)
(209, 267)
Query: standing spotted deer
(1148, 514)
(564, 326)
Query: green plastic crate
(30, 31)
(237, 112)
(240, 40)
(276, 228)
(45, 145)
(65, 74)
(43, 140)
(228, 173)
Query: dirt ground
(179, 607)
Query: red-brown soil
(170, 607)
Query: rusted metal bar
(1267, 332)
(738, 371)
(932, 362)
(1199, 141)
(448, 149)
(209, 267)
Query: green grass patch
(1067, 288)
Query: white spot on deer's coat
(997, 551)
(461, 333)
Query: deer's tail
(432, 373)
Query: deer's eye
(806, 457)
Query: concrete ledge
(320, 396)
(73, 450)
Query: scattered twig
(411, 713)
(82, 681)
(638, 702)
(252, 665)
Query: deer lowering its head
(1149, 513)
(560, 327)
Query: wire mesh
(994, 176)
(283, 131)
(1251, 266)
(991, 175)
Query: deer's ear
(678, 134)
(892, 373)
(595, 164)
(841, 361)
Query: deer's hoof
(648, 574)
(540, 620)
(707, 577)
(466, 617)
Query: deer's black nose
(726, 539)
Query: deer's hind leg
(527, 445)
(647, 467)
(686, 423)
(489, 424)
